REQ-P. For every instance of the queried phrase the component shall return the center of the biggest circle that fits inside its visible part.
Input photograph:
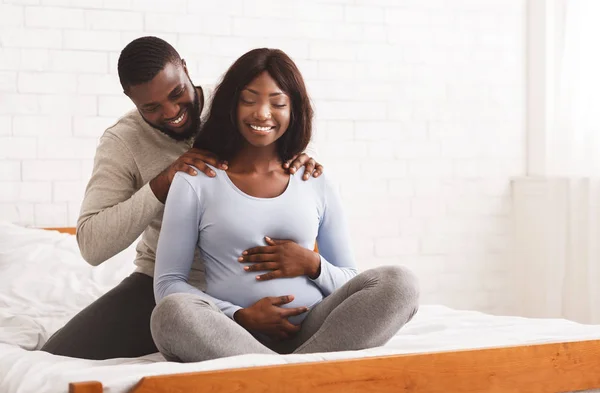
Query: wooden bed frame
(544, 368)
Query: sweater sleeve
(338, 265)
(176, 244)
(114, 213)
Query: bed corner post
(85, 387)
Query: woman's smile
(261, 130)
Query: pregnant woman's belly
(244, 290)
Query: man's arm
(113, 214)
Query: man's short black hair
(143, 58)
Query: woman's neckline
(245, 194)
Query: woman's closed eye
(275, 105)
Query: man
(135, 163)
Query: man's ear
(184, 67)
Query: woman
(265, 295)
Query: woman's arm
(338, 265)
(177, 243)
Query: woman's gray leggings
(366, 312)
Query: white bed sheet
(44, 281)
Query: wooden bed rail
(85, 387)
(69, 230)
(543, 368)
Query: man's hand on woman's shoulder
(192, 158)
(312, 167)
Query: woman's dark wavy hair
(220, 133)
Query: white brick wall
(419, 114)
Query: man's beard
(194, 119)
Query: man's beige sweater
(119, 205)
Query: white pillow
(44, 281)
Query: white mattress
(43, 282)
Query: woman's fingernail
(194, 173)
(247, 268)
(240, 259)
(245, 253)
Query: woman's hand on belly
(267, 317)
(282, 258)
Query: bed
(44, 282)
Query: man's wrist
(158, 188)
